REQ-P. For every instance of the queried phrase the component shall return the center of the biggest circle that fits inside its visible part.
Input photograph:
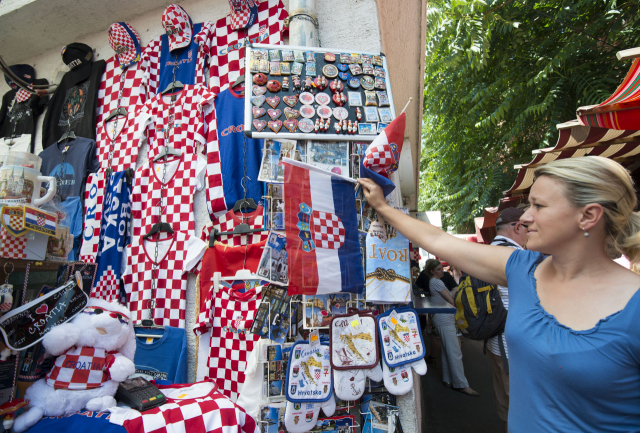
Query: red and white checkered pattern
(177, 255)
(328, 231)
(377, 158)
(125, 145)
(21, 96)
(240, 16)
(120, 40)
(213, 413)
(81, 368)
(187, 127)
(177, 25)
(228, 221)
(93, 198)
(230, 344)
(107, 287)
(15, 223)
(12, 247)
(183, 177)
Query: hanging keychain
(6, 291)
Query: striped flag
(39, 221)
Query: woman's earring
(586, 233)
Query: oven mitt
(354, 342)
(400, 337)
(349, 385)
(399, 380)
(309, 378)
(302, 417)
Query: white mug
(22, 185)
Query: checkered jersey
(328, 231)
(212, 413)
(227, 46)
(185, 129)
(93, 198)
(107, 287)
(231, 315)
(183, 177)
(81, 368)
(182, 253)
(228, 221)
(12, 247)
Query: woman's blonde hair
(595, 179)
(430, 265)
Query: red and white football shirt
(177, 255)
(81, 368)
(183, 176)
(228, 221)
(93, 198)
(197, 408)
(231, 342)
(183, 129)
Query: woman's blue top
(563, 380)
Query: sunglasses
(97, 310)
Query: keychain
(6, 291)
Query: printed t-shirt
(18, 116)
(73, 105)
(163, 358)
(183, 176)
(83, 421)
(182, 131)
(81, 368)
(72, 167)
(177, 255)
(228, 221)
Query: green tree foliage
(499, 76)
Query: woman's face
(551, 220)
(438, 272)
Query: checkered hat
(178, 26)
(125, 41)
(243, 13)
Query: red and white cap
(178, 26)
(125, 41)
(241, 12)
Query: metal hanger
(238, 81)
(69, 135)
(120, 111)
(167, 151)
(172, 87)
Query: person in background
(448, 279)
(574, 345)
(452, 368)
(510, 233)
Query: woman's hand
(372, 193)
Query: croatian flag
(322, 231)
(383, 154)
(39, 221)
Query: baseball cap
(77, 57)
(178, 26)
(25, 72)
(509, 215)
(125, 41)
(243, 13)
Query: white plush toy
(94, 353)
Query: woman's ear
(590, 216)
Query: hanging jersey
(182, 130)
(231, 343)
(228, 221)
(184, 175)
(114, 237)
(81, 368)
(197, 407)
(176, 256)
(93, 198)
(225, 168)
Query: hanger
(173, 86)
(240, 229)
(69, 134)
(158, 228)
(245, 203)
(148, 324)
(121, 111)
(167, 151)
(238, 81)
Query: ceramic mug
(22, 185)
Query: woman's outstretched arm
(486, 262)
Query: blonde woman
(574, 344)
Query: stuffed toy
(94, 352)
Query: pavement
(447, 411)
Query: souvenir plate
(307, 111)
(367, 82)
(323, 98)
(307, 98)
(305, 125)
(340, 113)
(330, 71)
(324, 112)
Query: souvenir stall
(213, 264)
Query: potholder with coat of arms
(309, 377)
(400, 337)
(354, 341)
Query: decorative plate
(307, 111)
(306, 98)
(340, 113)
(324, 112)
(330, 71)
(323, 98)
(354, 82)
(306, 125)
(367, 82)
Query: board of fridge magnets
(316, 93)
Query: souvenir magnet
(381, 127)
(344, 76)
(385, 115)
(273, 101)
(379, 72)
(305, 125)
(321, 83)
(366, 129)
(310, 69)
(354, 82)
(296, 83)
(274, 55)
(355, 99)
(306, 98)
(259, 124)
(356, 58)
(298, 56)
(368, 69)
(345, 58)
(330, 71)
(371, 114)
(285, 83)
(367, 82)
(258, 100)
(355, 69)
(255, 65)
(336, 86)
(291, 125)
(307, 111)
(259, 79)
(290, 113)
(340, 113)
(258, 112)
(290, 100)
(274, 113)
(324, 112)
(310, 56)
(287, 56)
(323, 98)
(285, 68)
(329, 57)
(296, 68)
(260, 54)
(383, 99)
(308, 84)
(367, 59)
(377, 61)
(339, 99)
(264, 66)
(275, 125)
(274, 86)
(358, 113)
(274, 67)
(370, 98)
(381, 84)
(259, 90)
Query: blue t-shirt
(563, 380)
(230, 126)
(187, 58)
(83, 421)
(163, 359)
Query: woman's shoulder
(436, 284)
(521, 262)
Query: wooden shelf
(21, 265)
